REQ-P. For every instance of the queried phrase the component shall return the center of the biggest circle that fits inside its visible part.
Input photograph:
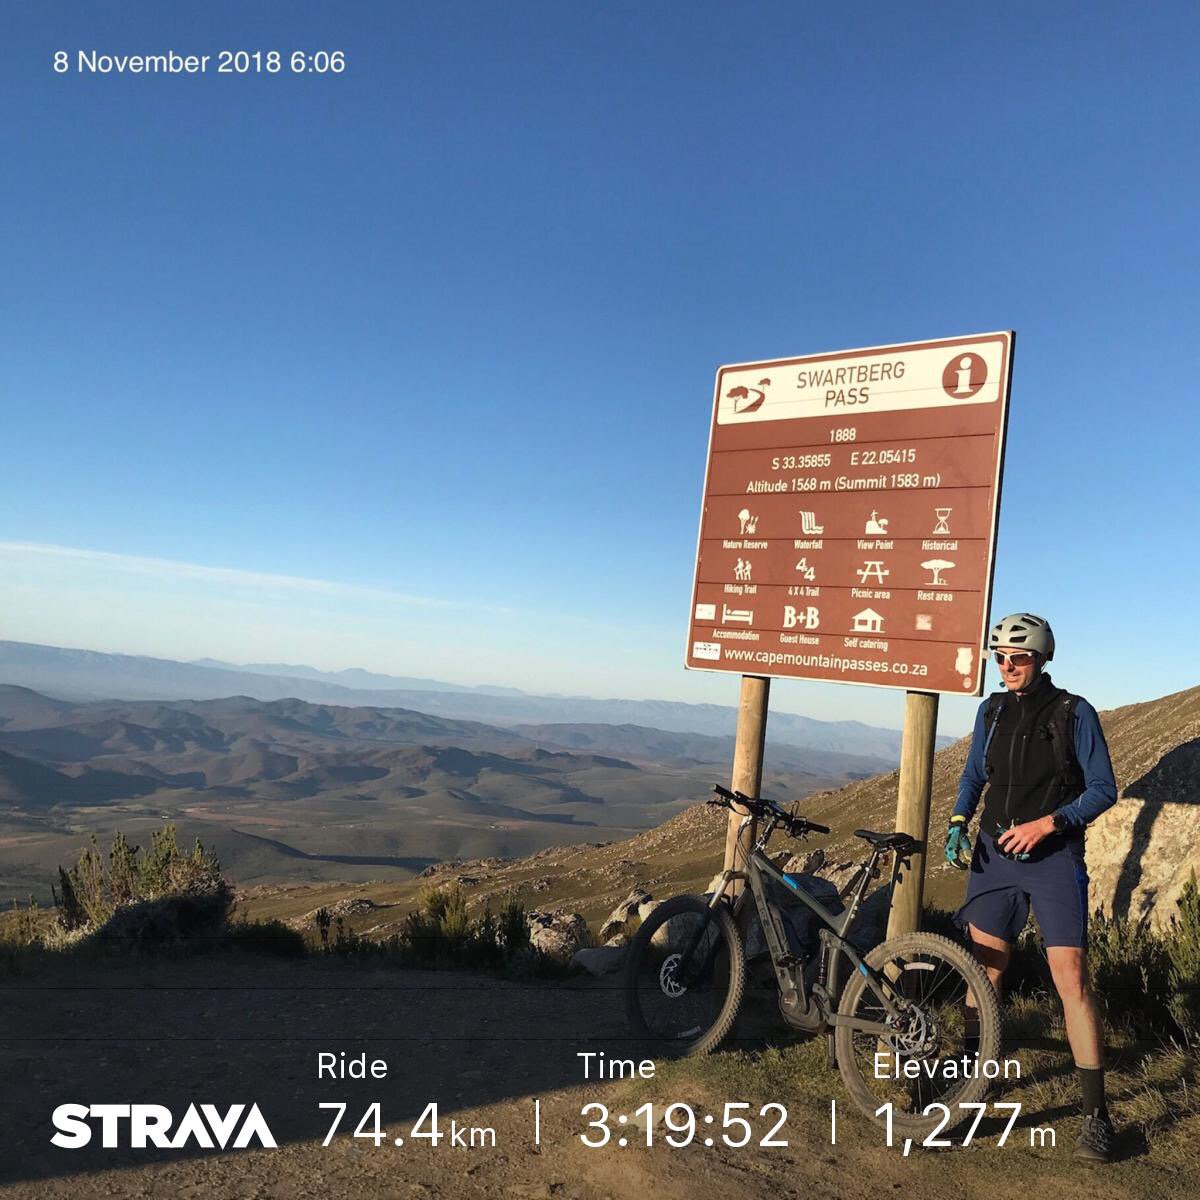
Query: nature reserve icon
(964, 375)
(748, 522)
(943, 520)
(874, 569)
(748, 399)
(936, 566)
(742, 570)
(876, 523)
(808, 523)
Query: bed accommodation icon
(867, 621)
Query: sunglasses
(1022, 658)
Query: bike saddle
(891, 841)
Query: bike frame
(816, 1011)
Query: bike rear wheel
(684, 1007)
(930, 978)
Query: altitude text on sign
(849, 517)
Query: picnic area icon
(874, 569)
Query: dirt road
(244, 1031)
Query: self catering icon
(867, 621)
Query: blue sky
(411, 367)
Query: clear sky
(411, 367)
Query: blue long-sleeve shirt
(1091, 750)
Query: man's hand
(1021, 839)
(958, 845)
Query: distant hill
(1140, 853)
(286, 789)
(89, 675)
(354, 677)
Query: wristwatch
(1061, 824)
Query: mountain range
(91, 675)
(286, 789)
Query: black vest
(1024, 780)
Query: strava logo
(151, 1125)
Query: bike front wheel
(685, 973)
(918, 1065)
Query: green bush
(272, 938)
(1182, 943)
(166, 921)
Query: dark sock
(971, 1030)
(1091, 1084)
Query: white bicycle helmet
(1025, 631)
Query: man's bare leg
(1068, 967)
(993, 954)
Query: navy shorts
(1054, 880)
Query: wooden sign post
(747, 767)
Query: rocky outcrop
(1143, 851)
(557, 933)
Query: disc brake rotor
(666, 977)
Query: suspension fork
(684, 972)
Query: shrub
(167, 920)
(167, 897)
(1182, 947)
(272, 938)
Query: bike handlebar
(762, 807)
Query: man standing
(1041, 754)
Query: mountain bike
(895, 1029)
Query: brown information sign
(849, 520)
